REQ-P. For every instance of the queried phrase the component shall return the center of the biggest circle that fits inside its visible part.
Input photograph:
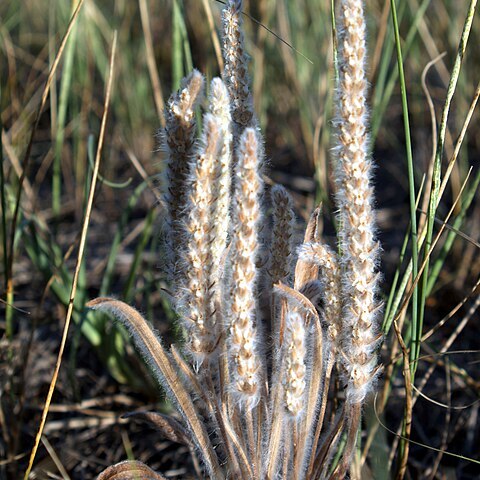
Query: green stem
(62, 114)
(411, 177)
(437, 167)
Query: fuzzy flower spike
(220, 108)
(236, 66)
(254, 407)
(355, 198)
(358, 246)
(197, 299)
(244, 357)
(178, 141)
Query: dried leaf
(155, 354)
(298, 299)
(304, 271)
(130, 470)
(171, 428)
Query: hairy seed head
(355, 202)
(295, 369)
(245, 245)
(219, 104)
(236, 66)
(197, 301)
(178, 141)
(282, 235)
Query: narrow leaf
(156, 356)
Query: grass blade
(436, 180)
(65, 90)
(81, 251)
(411, 178)
(164, 371)
(26, 158)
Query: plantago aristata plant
(178, 140)
(253, 393)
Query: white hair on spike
(295, 375)
(355, 204)
(196, 302)
(219, 105)
(236, 67)
(178, 141)
(246, 365)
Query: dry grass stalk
(307, 271)
(256, 409)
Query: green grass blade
(65, 88)
(381, 81)
(182, 61)
(410, 168)
(186, 44)
(384, 88)
(436, 178)
(147, 233)
(117, 239)
(452, 234)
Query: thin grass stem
(436, 180)
(151, 64)
(3, 199)
(411, 177)
(81, 251)
(65, 93)
(26, 158)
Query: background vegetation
(158, 43)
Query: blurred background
(293, 79)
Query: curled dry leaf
(169, 426)
(158, 359)
(297, 298)
(130, 470)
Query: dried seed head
(246, 366)
(331, 280)
(178, 141)
(355, 200)
(236, 66)
(197, 302)
(282, 235)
